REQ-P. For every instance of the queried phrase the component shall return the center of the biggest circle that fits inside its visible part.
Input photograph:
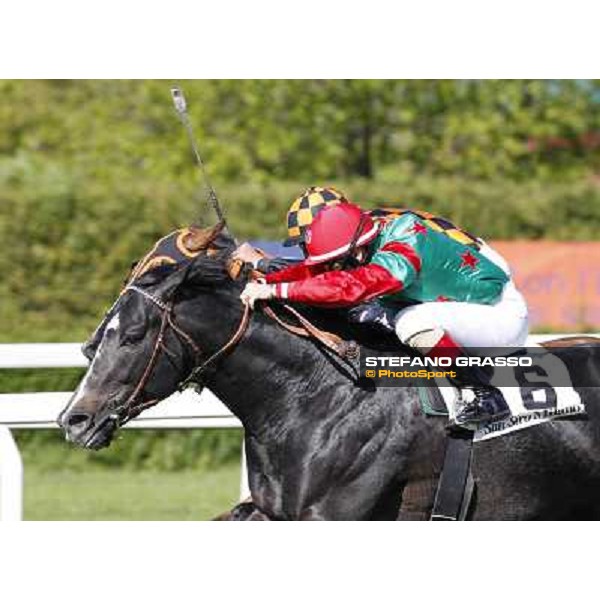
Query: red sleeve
(341, 288)
(293, 273)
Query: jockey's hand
(256, 291)
(246, 253)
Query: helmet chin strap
(349, 260)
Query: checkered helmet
(306, 207)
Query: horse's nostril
(78, 421)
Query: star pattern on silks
(419, 228)
(468, 260)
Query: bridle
(129, 409)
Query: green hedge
(68, 245)
(134, 449)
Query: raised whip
(181, 109)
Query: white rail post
(244, 488)
(11, 478)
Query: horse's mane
(211, 267)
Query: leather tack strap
(344, 349)
(233, 341)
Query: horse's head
(143, 349)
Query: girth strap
(455, 485)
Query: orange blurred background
(560, 280)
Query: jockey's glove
(257, 291)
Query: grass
(124, 495)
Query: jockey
(460, 290)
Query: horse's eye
(133, 334)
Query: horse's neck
(264, 377)
(265, 374)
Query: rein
(233, 341)
(344, 349)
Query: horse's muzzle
(81, 429)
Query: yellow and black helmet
(306, 207)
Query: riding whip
(181, 109)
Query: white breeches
(471, 325)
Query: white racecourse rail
(39, 410)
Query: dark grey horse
(321, 443)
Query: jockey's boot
(488, 403)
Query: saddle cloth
(529, 406)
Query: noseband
(129, 410)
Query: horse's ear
(200, 239)
(234, 267)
